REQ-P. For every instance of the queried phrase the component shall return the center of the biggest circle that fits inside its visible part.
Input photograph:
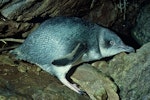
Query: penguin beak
(127, 48)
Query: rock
(24, 10)
(104, 13)
(131, 73)
(141, 30)
(54, 91)
(20, 81)
(96, 84)
(9, 28)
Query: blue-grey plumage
(61, 41)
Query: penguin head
(111, 44)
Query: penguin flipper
(71, 57)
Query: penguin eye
(111, 42)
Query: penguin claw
(83, 93)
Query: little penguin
(59, 42)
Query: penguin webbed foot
(73, 87)
(81, 92)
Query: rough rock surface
(23, 10)
(141, 32)
(9, 28)
(96, 84)
(103, 10)
(131, 73)
(23, 81)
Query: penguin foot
(71, 86)
(80, 91)
(83, 93)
